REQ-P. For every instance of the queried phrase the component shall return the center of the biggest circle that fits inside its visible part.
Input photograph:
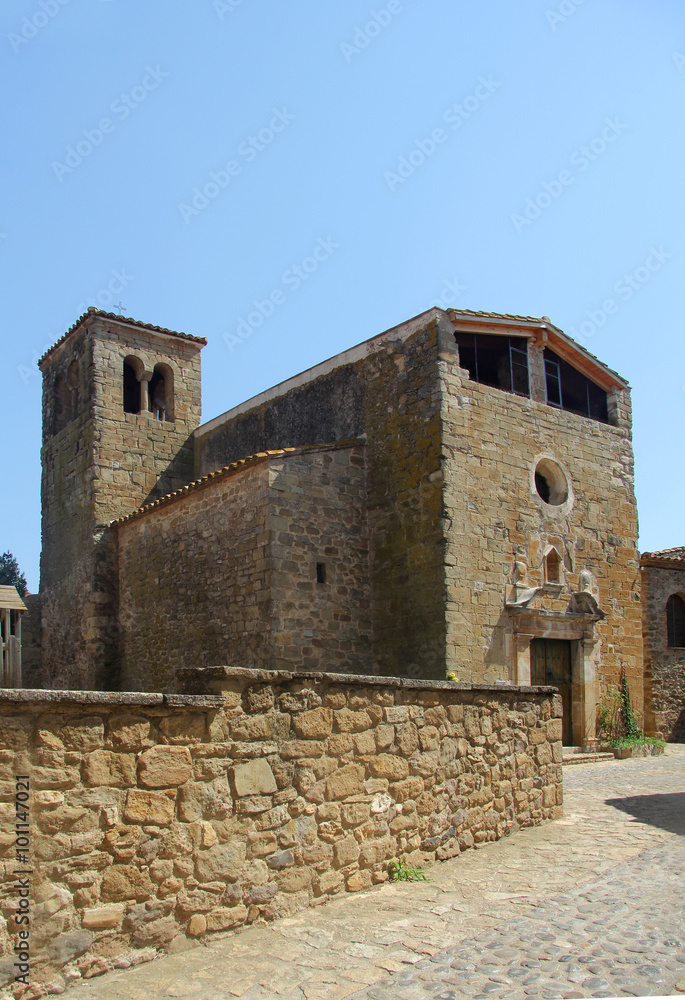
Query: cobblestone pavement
(591, 905)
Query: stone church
(453, 495)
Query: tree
(11, 574)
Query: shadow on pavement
(665, 811)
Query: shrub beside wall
(158, 818)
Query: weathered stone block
(294, 879)
(554, 730)
(148, 807)
(103, 767)
(316, 724)
(389, 766)
(407, 738)
(122, 882)
(155, 933)
(101, 918)
(189, 726)
(225, 918)
(347, 721)
(396, 713)
(223, 861)
(197, 925)
(409, 788)
(130, 732)
(164, 767)
(254, 778)
(261, 844)
(345, 782)
(355, 813)
(329, 882)
(372, 852)
(282, 859)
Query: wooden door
(550, 663)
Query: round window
(550, 483)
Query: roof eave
(545, 331)
(132, 324)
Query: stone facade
(157, 819)
(386, 390)
(500, 526)
(501, 531)
(233, 562)
(663, 575)
(457, 530)
(100, 462)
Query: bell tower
(120, 402)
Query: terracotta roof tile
(198, 484)
(665, 557)
(93, 313)
(540, 320)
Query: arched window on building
(132, 371)
(161, 393)
(61, 404)
(552, 567)
(675, 620)
(72, 383)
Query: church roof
(241, 463)
(94, 313)
(558, 341)
(673, 558)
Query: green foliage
(609, 725)
(399, 872)
(10, 574)
(630, 726)
(639, 740)
(617, 724)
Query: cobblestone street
(588, 906)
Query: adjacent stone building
(455, 494)
(663, 597)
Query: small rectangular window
(519, 367)
(321, 572)
(570, 390)
(553, 382)
(501, 362)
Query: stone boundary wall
(159, 819)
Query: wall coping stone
(200, 677)
(35, 695)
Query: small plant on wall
(609, 724)
(631, 730)
(618, 723)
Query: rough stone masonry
(159, 818)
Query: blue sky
(214, 146)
